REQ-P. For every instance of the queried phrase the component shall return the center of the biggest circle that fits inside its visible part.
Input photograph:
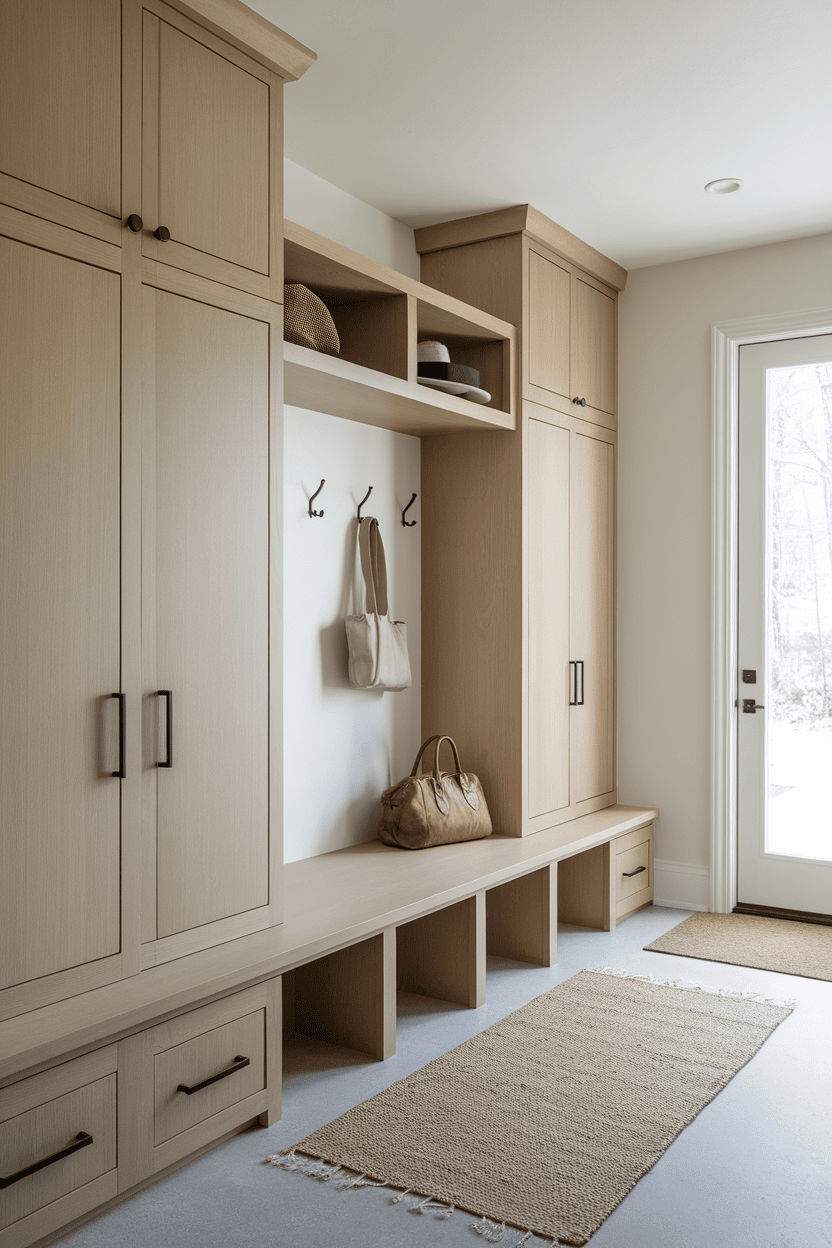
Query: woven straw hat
(307, 320)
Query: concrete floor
(754, 1170)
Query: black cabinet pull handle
(162, 233)
(81, 1140)
(580, 402)
(239, 1063)
(168, 696)
(637, 870)
(135, 223)
(122, 771)
(574, 700)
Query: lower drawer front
(633, 871)
(40, 1133)
(197, 1062)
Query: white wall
(666, 313)
(309, 200)
(343, 746)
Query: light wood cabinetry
(603, 885)
(532, 576)
(211, 155)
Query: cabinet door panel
(210, 423)
(593, 353)
(592, 611)
(59, 612)
(548, 750)
(548, 325)
(60, 98)
(206, 162)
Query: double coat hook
(312, 499)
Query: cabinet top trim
(239, 25)
(522, 219)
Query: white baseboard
(680, 885)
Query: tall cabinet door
(211, 161)
(548, 616)
(60, 110)
(206, 549)
(60, 450)
(592, 619)
(593, 351)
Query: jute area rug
(547, 1120)
(746, 940)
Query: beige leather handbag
(377, 644)
(434, 808)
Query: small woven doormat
(746, 940)
(547, 1120)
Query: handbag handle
(373, 564)
(438, 739)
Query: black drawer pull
(239, 1063)
(629, 873)
(81, 1140)
(167, 694)
(122, 761)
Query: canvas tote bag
(377, 644)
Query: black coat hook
(312, 499)
(363, 501)
(408, 524)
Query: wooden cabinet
(211, 155)
(571, 617)
(140, 474)
(60, 614)
(60, 100)
(518, 645)
(603, 885)
(211, 420)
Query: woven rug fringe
(315, 1168)
(689, 986)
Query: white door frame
(726, 339)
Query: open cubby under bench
(364, 921)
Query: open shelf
(380, 316)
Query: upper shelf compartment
(381, 315)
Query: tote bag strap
(373, 565)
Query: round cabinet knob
(134, 222)
(162, 233)
(580, 402)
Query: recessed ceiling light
(723, 186)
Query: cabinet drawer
(202, 1051)
(70, 1107)
(210, 1066)
(632, 870)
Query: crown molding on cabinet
(522, 218)
(239, 25)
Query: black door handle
(637, 870)
(122, 771)
(167, 694)
(239, 1063)
(162, 233)
(81, 1140)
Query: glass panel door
(785, 625)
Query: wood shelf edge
(252, 33)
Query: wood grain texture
(247, 30)
(25, 1094)
(486, 274)
(49, 207)
(48, 1128)
(213, 152)
(60, 99)
(634, 849)
(58, 239)
(325, 383)
(332, 901)
(592, 615)
(521, 218)
(586, 890)
(349, 997)
(593, 350)
(442, 955)
(210, 414)
(548, 615)
(200, 1058)
(44, 1223)
(522, 918)
(472, 610)
(548, 325)
(373, 333)
(59, 613)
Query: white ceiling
(607, 115)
